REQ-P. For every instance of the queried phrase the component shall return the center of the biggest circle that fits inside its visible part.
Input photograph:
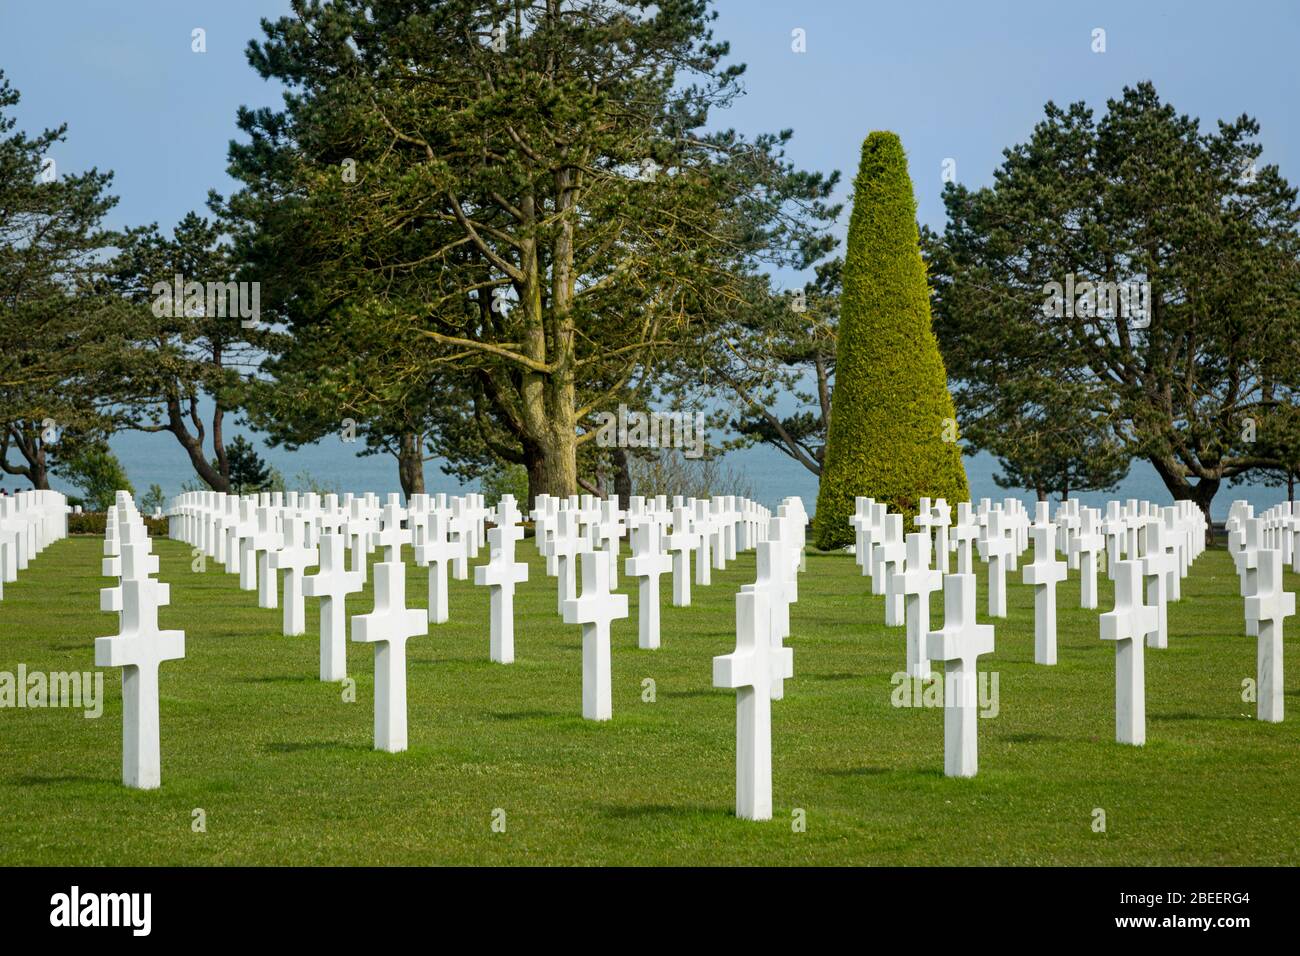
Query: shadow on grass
(1186, 715)
(839, 676)
(307, 746)
(642, 810)
(39, 781)
(857, 772)
(688, 693)
(283, 679)
(525, 715)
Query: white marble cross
(680, 543)
(996, 548)
(390, 536)
(1269, 607)
(388, 627)
(890, 554)
(705, 528)
(332, 584)
(959, 644)
(501, 574)
(1157, 565)
(461, 530)
(293, 559)
(1086, 545)
(1128, 625)
(916, 584)
(964, 533)
(1247, 560)
(595, 609)
(1115, 528)
(1044, 574)
(774, 581)
(359, 527)
(607, 535)
(941, 518)
(139, 649)
(647, 563)
(566, 545)
(748, 670)
(264, 543)
(862, 527)
(437, 552)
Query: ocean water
(158, 458)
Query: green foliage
(54, 323)
(505, 478)
(247, 470)
(892, 425)
(95, 523)
(1139, 195)
(98, 474)
(153, 499)
(524, 226)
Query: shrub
(96, 472)
(505, 479)
(892, 432)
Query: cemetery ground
(284, 771)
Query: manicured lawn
(284, 769)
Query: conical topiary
(893, 427)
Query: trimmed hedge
(891, 410)
(95, 522)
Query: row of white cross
(29, 522)
(1260, 548)
(260, 537)
(1147, 552)
(140, 646)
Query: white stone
(332, 584)
(996, 549)
(595, 608)
(959, 644)
(264, 543)
(1045, 573)
(774, 581)
(1269, 607)
(388, 627)
(1085, 547)
(1157, 566)
(748, 671)
(500, 575)
(890, 554)
(679, 543)
(917, 583)
(647, 563)
(1128, 625)
(139, 649)
(293, 559)
(566, 545)
(438, 552)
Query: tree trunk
(410, 464)
(219, 443)
(193, 445)
(553, 465)
(1202, 492)
(622, 477)
(32, 448)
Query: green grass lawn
(284, 769)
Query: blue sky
(954, 80)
